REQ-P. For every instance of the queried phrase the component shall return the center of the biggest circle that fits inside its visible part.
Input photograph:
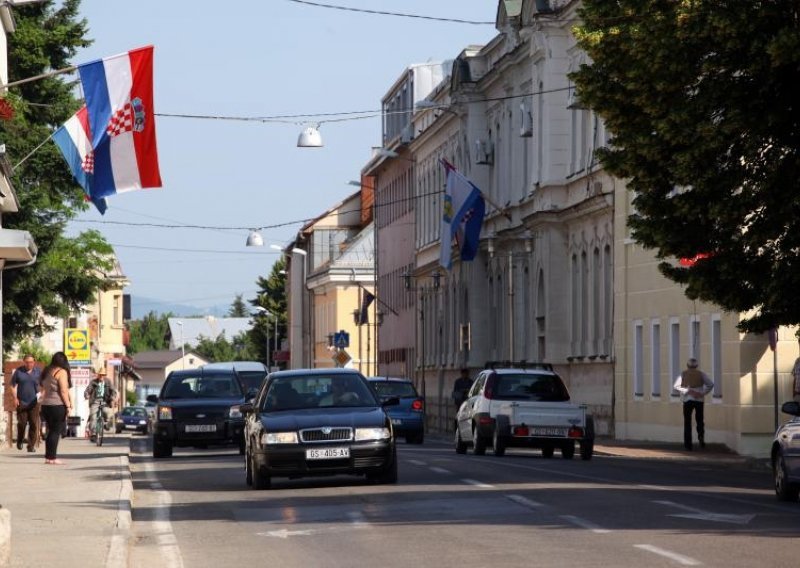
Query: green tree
(220, 349)
(700, 99)
(238, 308)
(271, 297)
(149, 333)
(69, 270)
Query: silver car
(786, 455)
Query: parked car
(786, 455)
(522, 405)
(408, 417)
(251, 373)
(308, 422)
(133, 418)
(199, 407)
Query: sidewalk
(77, 514)
(713, 453)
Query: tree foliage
(69, 271)
(238, 308)
(149, 333)
(220, 349)
(272, 298)
(700, 98)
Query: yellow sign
(341, 357)
(76, 345)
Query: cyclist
(100, 389)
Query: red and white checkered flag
(121, 121)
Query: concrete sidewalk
(77, 514)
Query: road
(468, 511)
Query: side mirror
(246, 407)
(791, 407)
(391, 401)
(152, 398)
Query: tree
(701, 104)
(238, 308)
(220, 349)
(271, 297)
(69, 270)
(149, 333)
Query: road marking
(162, 527)
(583, 523)
(679, 558)
(118, 550)
(701, 515)
(357, 524)
(357, 520)
(416, 462)
(478, 483)
(525, 502)
(435, 469)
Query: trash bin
(73, 422)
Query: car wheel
(118, 430)
(259, 479)
(784, 490)
(248, 470)
(161, 449)
(587, 449)
(478, 443)
(498, 444)
(461, 446)
(388, 475)
(416, 438)
(568, 450)
(548, 451)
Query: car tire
(568, 450)
(478, 443)
(498, 444)
(416, 438)
(548, 451)
(161, 449)
(461, 445)
(118, 430)
(389, 475)
(248, 471)
(587, 444)
(259, 479)
(784, 490)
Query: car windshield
(252, 380)
(134, 412)
(203, 386)
(545, 388)
(386, 389)
(318, 391)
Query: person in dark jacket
(25, 383)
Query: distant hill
(141, 306)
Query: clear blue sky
(254, 58)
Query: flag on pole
(119, 124)
(462, 218)
(75, 143)
(366, 301)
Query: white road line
(357, 520)
(583, 523)
(435, 469)
(416, 462)
(525, 502)
(168, 544)
(118, 550)
(478, 483)
(679, 558)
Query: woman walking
(56, 403)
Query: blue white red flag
(75, 143)
(462, 218)
(120, 125)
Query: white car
(522, 405)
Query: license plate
(131, 426)
(327, 453)
(396, 421)
(548, 431)
(201, 428)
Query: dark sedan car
(199, 407)
(133, 418)
(318, 422)
(408, 417)
(786, 455)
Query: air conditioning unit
(483, 152)
(573, 102)
(526, 121)
(407, 134)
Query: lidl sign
(76, 345)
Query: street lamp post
(266, 313)
(183, 347)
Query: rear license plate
(396, 421)
(548, 431)
(131, 426)
(327, 453)
(201, 428)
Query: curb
(118, 551)
(5, 536)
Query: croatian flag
(119, 124)
(462, 217)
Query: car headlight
(364, 434)
(279, 438)
(165, 413)
(235, 412)
(142, 421)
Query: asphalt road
(194, 509)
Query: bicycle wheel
(99, 427)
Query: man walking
(461, 388)
(693, 385)
(25, 384)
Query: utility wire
(383, 13)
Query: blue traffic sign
(341, 339)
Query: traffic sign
(76, 345)
(342, 357)
(341, 339)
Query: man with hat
(100, 390)
(693, 385)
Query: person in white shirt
(693, 385)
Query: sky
(254, 58)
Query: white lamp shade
(309, 138)
(254, 239)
